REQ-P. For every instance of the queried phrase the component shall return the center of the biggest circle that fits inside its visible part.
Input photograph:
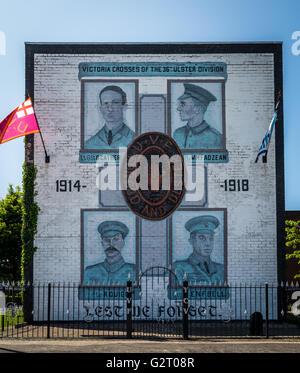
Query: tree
(10, 235)
(292, 229)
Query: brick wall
(248, 231)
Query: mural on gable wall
(97, 103)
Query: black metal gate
(156, 308)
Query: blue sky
(148, 21)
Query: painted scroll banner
(93, 69)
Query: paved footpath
(116, 346)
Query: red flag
(20, 122)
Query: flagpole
(266, 140)
(47, 157)
(265, 168)
(264, 158)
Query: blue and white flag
(263, 150)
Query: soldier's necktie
(186, 134)
(206, 267)
(109, 137)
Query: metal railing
(65, 310)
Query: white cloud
(2, 44)
(296, 45)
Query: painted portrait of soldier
(109, 117)
(109, 248)
(197, 116)
(199, 254)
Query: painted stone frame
(92, 121)
(214, 115)
(94, 268)
(181, 250)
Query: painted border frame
(136, 97)
(168, 225)
(225, 238)
(165, 109)
(137, 247)
(169, 99)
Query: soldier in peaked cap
(199, 266)
(197, 133)
(114, 269)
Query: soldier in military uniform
(115, 133)
(197, 133)
(114, 269)
(199, 266)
